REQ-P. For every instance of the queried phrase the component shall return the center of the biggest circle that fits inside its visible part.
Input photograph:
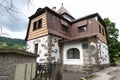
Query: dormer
(37, 25)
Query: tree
(114, 44)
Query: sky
(15, 24)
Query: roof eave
(17, 51)
(68, 15)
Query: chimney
(54, 8)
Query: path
(108, 74)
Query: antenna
(54, 8)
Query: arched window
(73, 53)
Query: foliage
(114, 44)
(12, 43)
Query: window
(85, 45)
(82, 28)
(100, 50)
(73, 53)
(103, 32)
(36, 48)
(99, 28)
(37, 24)
(64, 28)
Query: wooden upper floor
(46, 21)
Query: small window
(64, 28)
(99, 28)
(36, 48)
(37, 24)
(82, 28)
(103, 32)
(73, 53)
(85, 45)
(100, 50)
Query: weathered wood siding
(91, 29)
(100, 35)
(102, 38)
(38, 32)
(55, 25)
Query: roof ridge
(62, 10)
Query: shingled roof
(62, 10)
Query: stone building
(56, 36)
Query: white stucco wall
(41, 50)
(103, 52)
(67, 46)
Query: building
(17, 64)
(56, 36)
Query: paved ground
(115, 74)
(72, 75)
(111, 73)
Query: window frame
(100, 29)
(36, 48)
(103, 32)
(37, 24)
(81, 28)
(65, 28)
(71, 53)
(85, 45)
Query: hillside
(12, 43)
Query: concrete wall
(12, 66)
(25, 71)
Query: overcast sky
(16, 25)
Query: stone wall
(73, 68)
(86, 53)
(43, 48)
(54, 48)
(48, 48)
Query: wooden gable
(35, 33)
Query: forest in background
(12, 43)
